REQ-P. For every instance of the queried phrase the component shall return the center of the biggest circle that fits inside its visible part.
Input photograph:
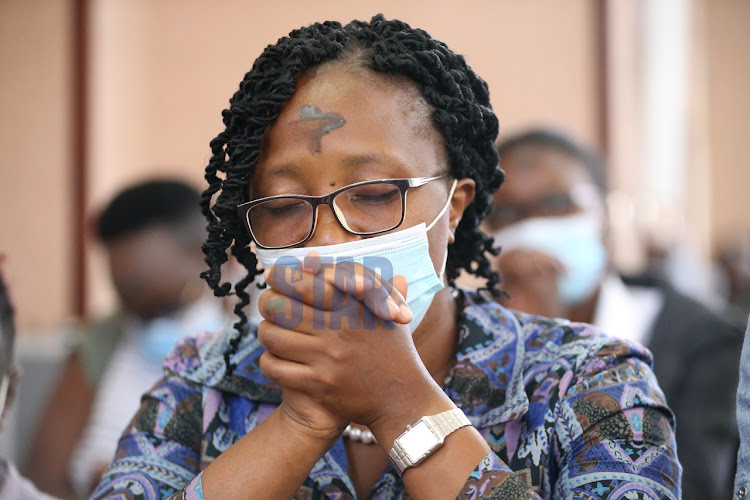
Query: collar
(486, 382)
(615, 306)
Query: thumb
(401, 285)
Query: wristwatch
(425, 436)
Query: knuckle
(327, 380)
(268, 366)
(266, 336)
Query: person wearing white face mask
(549, 220)
(152, 232)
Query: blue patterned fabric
(567, 411)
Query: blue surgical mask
(158, 337)
(574, 240)
(407, 251)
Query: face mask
(574, 240)
(158, 337)
(407, 251)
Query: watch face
(418, 441)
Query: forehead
(370, 114)
(150, 251)
(533, 170)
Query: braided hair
(461, 112)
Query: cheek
(439, 239)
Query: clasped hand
(338, 344)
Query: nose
(328, 231)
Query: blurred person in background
(733, 263)
(549, 220)
(152, 233)
(12, 485)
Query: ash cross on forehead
(328, 122)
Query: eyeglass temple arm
(421, 181)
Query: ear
(462, 197)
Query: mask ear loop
(434, 221)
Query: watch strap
(441, 425)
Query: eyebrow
(291, 170)
(364, 159)
(286, 170)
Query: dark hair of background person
(558, 141)
(169, 203)
(7, 328)
(460, 111)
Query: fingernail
(393, 308)
(406, 312)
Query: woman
(373, 144)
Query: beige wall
(163, 71)
(728, 62)
(35, 157)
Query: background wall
(159, 74)
(35, 117)
(728, 85)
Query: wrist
(405, 411)
(305, 431)
(425, 437)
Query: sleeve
(742, 477)
(492, 479)
(159, 453)
(618, 434)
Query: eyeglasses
(552, 204)
(364, 208)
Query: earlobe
(462, 197)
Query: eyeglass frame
(403, 185)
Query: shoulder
(96, 344)
(550, 340)
(200, 359)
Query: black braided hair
(461, 112)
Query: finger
(286, 373)
(320, 283)
(401, 286)
(288, 344)
(369, 286)
(288, 313)
(387, 302)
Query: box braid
(461, 111)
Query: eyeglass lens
(364, 209)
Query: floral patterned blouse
(571, 412)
